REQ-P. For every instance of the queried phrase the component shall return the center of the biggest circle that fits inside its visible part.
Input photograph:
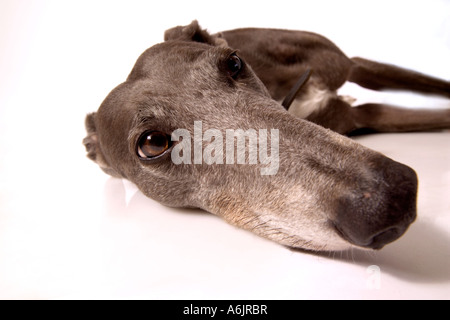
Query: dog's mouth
(377, 241)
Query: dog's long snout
(379, 212)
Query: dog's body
(280, 57)
(328, 193)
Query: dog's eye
(153, 144)
(234, 65)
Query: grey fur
(329, 193)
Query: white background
(69, 231)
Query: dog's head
(194, 127)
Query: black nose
(380, 209)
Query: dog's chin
(334, 245)
(327, 240)
(319, 248)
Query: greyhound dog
(326, 193)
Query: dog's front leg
(386, 118)
(380, 76)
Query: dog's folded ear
(194, 32)
(92, 145)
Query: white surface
(69, 231)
